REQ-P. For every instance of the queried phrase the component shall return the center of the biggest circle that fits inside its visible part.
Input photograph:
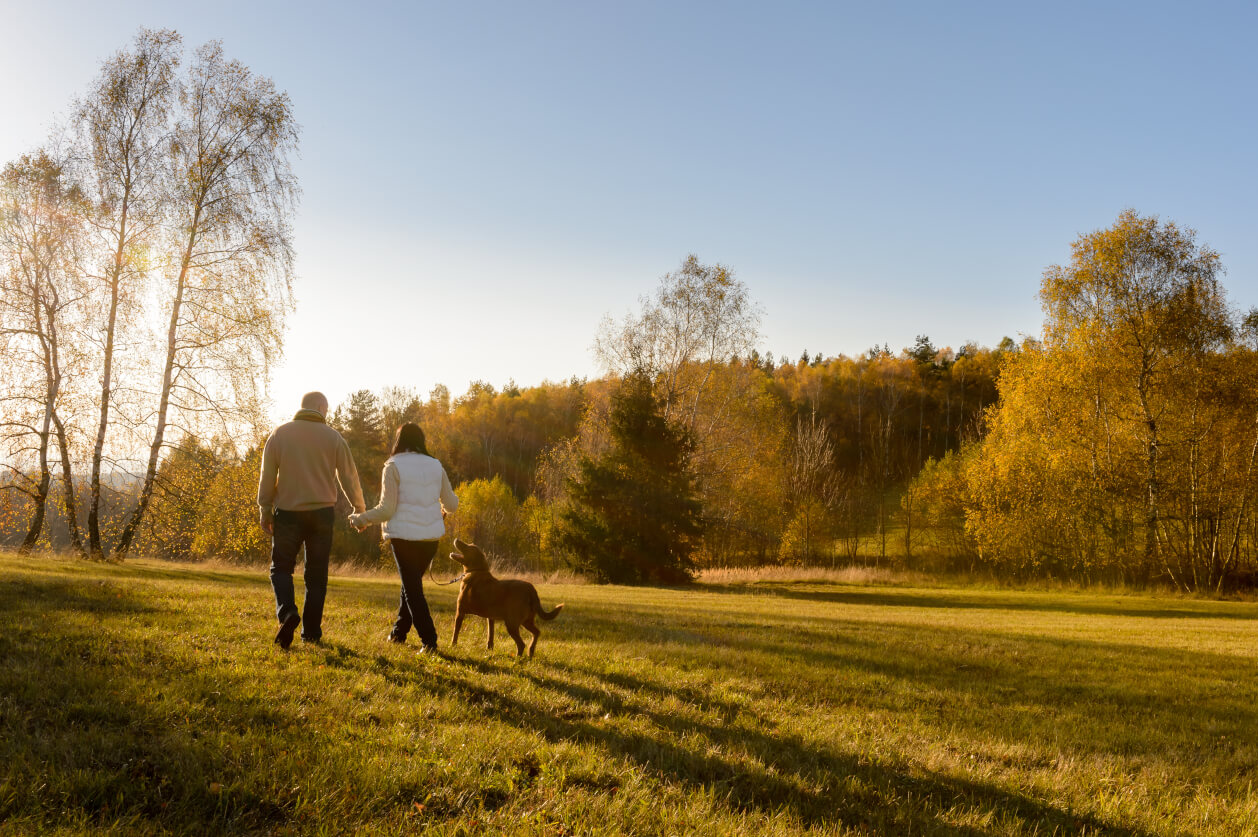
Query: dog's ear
(459, 545)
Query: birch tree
(812, 486)
(41, 297)
(700, 316)
(123, 128)
(1142, 299)
(228, 251)
(1124, 443)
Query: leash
(434, 580)
(432, 577)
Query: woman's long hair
(410, 439)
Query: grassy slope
(148, 697)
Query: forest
(145, 277)
(804, 462)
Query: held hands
(355, 520)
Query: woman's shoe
(394, 638)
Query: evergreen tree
(634, 516)
(360, 421)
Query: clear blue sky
(483, 181)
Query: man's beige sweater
(301, 465)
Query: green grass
(148, 698)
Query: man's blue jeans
(291, 530)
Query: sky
(482, 182)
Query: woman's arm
(449, 502)
(387, 506)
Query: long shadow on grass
(56, 594)
(775, 772)
(1088, 696)
(963, 601)
(107, 722)
(246, 577)
(97, 729)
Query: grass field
(148, 698)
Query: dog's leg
(514, 630)
(490, 645)
(535, 631)
(458, 623)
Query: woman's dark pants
(413, 559)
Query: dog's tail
(537, 607)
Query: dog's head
(470, 556)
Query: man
(301, 465)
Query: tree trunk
(1151, 501)
(1151, 473)
(45, 475)
(40, 497)
(921, 418)
(961, 414)
(63, 448)
(1234, 548)
(67, 486)
(860, 403)
(168, 374)
(43, 487)
(95, 547)
(908, 524)
(53, 357)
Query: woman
(415, 496)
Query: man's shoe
(394, 638)
(284, 637)
(306, 640)
(430, 650)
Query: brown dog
(513, 602)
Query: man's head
(316, 401)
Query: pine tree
(360, 421)
(634, 516)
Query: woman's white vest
(422, 485)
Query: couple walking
(302, 464)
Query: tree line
(1121, 444)
(800, 462)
